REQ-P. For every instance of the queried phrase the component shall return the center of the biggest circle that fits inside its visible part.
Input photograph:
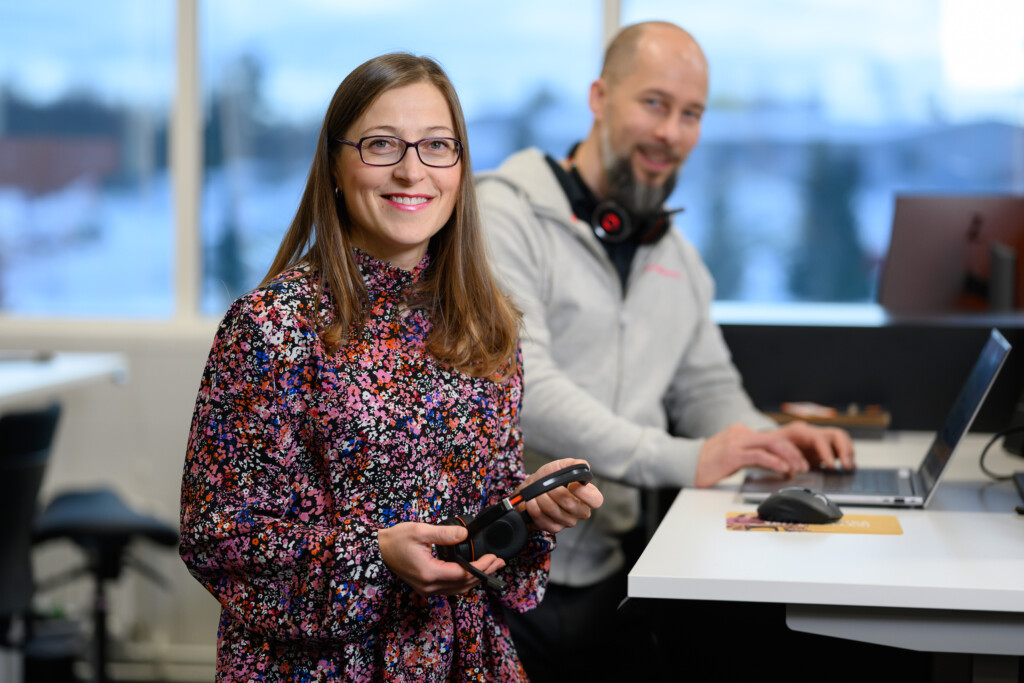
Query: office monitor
(952, 253)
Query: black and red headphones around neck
(611, 222)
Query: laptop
(898, 487)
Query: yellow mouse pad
(849, 524)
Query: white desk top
(24, 379)
(965, 552)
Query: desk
(953, 582)
(24, 379)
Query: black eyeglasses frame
(407, 144)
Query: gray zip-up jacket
(630, 383)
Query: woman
(366, 391)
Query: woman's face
(395, 210)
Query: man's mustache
(661, 151)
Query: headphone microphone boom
(501, 529)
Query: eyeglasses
(387, 150)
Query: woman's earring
(336, 193)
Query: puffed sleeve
(257, 528)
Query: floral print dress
(297, 456)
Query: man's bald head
(620, 59)
(647, 106)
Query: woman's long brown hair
(474, 327)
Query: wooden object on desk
(869, 422)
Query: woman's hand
(407, 551)
(562, 507)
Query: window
(521, 74)
(86, 224)
(820, 113)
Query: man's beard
(639, 199)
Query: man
(623, 365)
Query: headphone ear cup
(464, 548)
(611, 223)
(504, 537)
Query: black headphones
(501, 529)
(610, 221)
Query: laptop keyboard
(863, 481)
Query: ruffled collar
(382, 277)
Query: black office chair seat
(103, 526)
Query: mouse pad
(887, 525)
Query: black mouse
(797, 504)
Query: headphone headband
(562, 477)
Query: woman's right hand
(407, 551)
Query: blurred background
(153, 153)
(819, 113)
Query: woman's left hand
(407, 550)
(562, 507)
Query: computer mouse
(798, 504)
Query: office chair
(102, 526)
(25, 439)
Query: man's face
(649, 120)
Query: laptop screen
(964, 409)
